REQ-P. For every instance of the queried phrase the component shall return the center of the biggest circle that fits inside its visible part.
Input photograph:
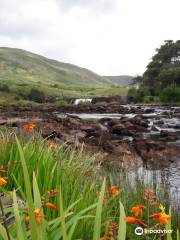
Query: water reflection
(167, 179)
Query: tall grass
(81, 212)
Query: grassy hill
(123, 80)
(21, 71)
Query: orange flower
(153, 197)
(38, 216)
(112, 229)
(149, 195)
(2, 181)
(50, 194)
(138, 210)
(3, 170)
(53, 146)
(162, 218)
(29, 127)
(27, 219)
(133, 220)
(114, 191)
(50, 205)
(155, 204)
(149, 192)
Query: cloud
(110, 37)
(93, 6)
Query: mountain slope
(22, 68)
(123, 80)
(20, 71)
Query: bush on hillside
(62, 103)
(135, 95)
(36, 95)
(4, 88)
(148, 99)
(139, 95)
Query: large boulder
(120, 129)
(158, 154)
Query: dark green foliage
(36, 95)
(17, 98)
(162, 77)
(137, 95)
(137, 80)
(164, 69)
(170, 76)
(62, 103)
(4, 88)
(148, 99)
(132, 95)
(170, 94)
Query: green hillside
(123, 80)
(21, 71)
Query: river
(164, 120)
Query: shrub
(4, 88)
(135, 95)
(62, 103)
(148, 99)
(36, 95)
(139, 95)
(170, 94)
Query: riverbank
(61, 192)
(133, 135)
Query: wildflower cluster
(111, 192)
(50, 194)
(38, 213)
(112, 232)
(150, 197)
(38, 216)
(53, 146)
(5, 169)
(2, 181)
(161, 217)
(29, 127)
(138, 211)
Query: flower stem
(4, 219)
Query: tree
(162, 73)
(164, 69)
(36, 95)
(170, 94)
(137, 80)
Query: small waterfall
(82, 100)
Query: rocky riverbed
(143, 139)
(128, 135)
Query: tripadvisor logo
(139, 231)
(150, 231)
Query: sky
(109, 37)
